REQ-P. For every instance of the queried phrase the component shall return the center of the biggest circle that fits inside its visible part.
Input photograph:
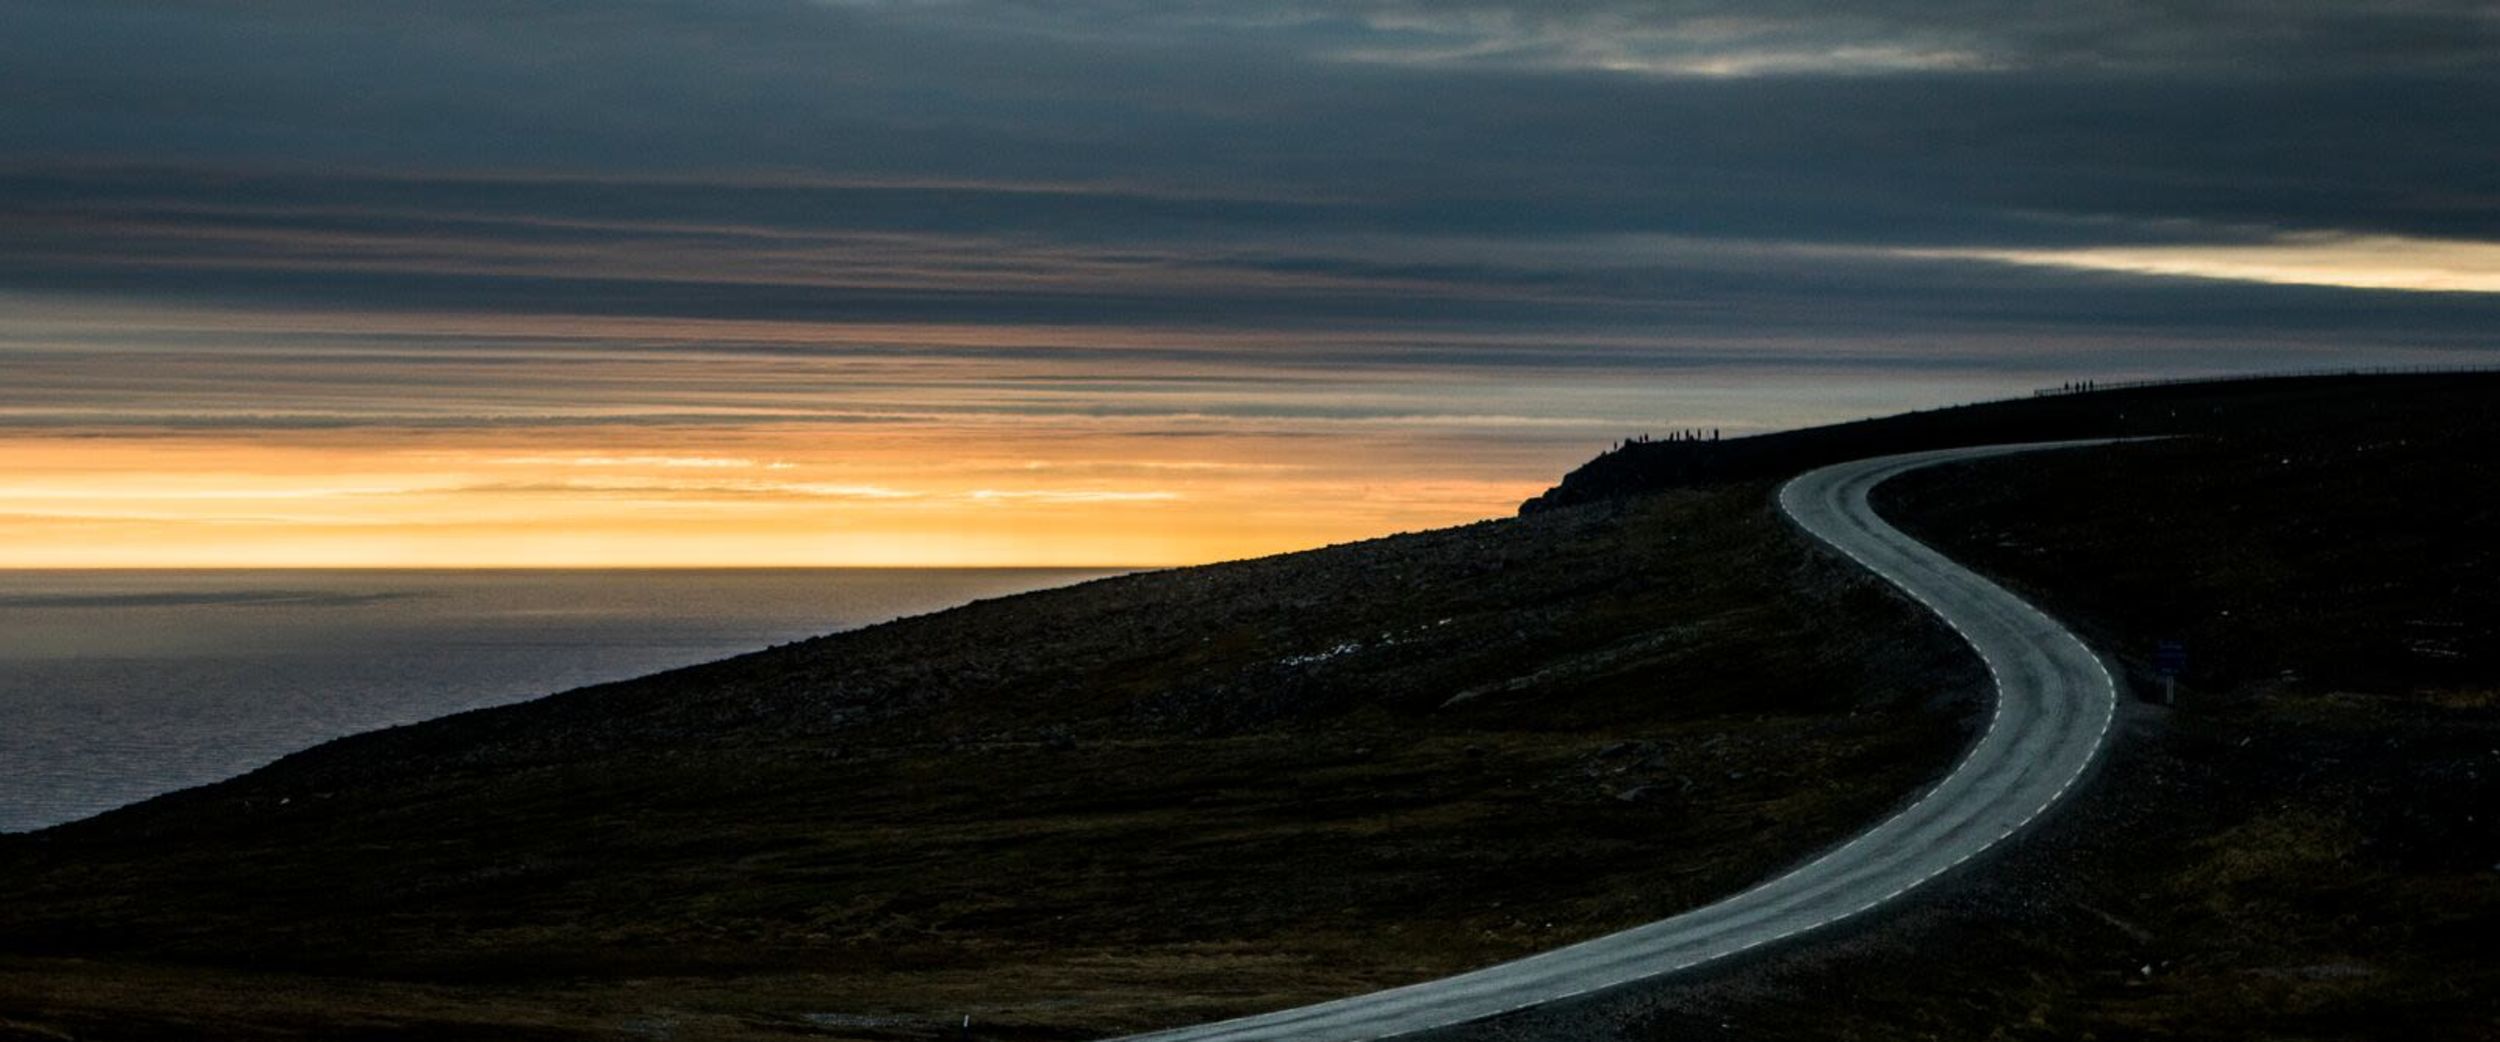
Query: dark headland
(1185, 794)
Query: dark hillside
(2355, 551)
(2216, 407)
(2306, 846)
(1138, 801)
(1183, 794)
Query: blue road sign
(2170, 658)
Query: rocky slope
(1134, 802)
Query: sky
(1117, 282)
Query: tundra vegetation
(1186, 794)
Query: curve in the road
(2054, 704)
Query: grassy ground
(2303, 847)
(1180, 795)
(2227, 408)
(1137, 802)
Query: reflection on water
(116, 686)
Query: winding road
(2054, 704)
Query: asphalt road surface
(2054, 703)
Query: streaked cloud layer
(2393, 262)
(930, 281)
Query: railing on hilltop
(2089, 386)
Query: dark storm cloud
(2235, 35)
(336, 281)
(1251, 100)
(975, 253)
(1709, 167)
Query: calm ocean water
(117, 686)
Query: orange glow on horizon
(741, 497)
(139, 434)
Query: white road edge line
(1953, 821)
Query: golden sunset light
(140, 435)
(2382, 262)
(1248, 520)
(757, 497)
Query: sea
(120, 685)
